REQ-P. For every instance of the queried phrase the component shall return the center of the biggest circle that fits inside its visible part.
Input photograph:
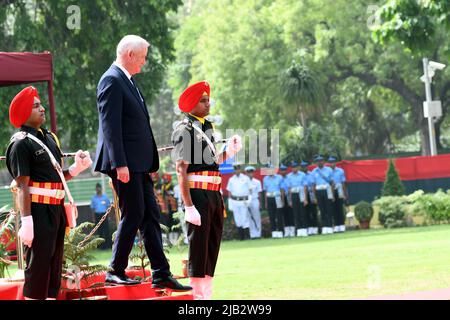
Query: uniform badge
(39, 152)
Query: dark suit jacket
(125, 137)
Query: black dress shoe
(119, 279)
(169, 283)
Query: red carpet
(13, 290)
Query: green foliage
(412, 23)
(298, 143)
(393, 211)
(176, 227)
(76, 267)
(434, 207)
(301, 88)
(363, 211)
(396, 211)
(141, 257)
(82, 55)
(370, 92)
(393, 186)
(420, 28)
(5, 225)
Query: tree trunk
(302, 117)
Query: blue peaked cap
(304, 163)
(318, 157)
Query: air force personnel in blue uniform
(340, 195)
(288, 215)
(323, 186)
(311, 207)
(298, 190)
(272, 185)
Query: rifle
(163, 149)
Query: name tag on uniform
(39, 152)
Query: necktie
(134, 84)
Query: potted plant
(6, 238)
(76, 267)
(364, 213)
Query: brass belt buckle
(59, 194)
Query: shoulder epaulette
(18, 136)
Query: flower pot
(364, 224)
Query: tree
(421, 28)
(415, 24)
(83, 52)
(301, 88)
(393, 186)
(371, 92)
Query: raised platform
(12, 290)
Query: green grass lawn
(352, 265)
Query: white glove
(192, 215)
(234, 145)
(86, 161)
(82, 162)
(26, 231)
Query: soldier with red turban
(40, 194)
(197, 165)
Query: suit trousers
(139, 211)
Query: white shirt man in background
(239, 187)
(255, 204)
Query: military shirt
(192, 148)
(239, 186)
(338, 175)
(256, 187)
(285, 184)
(272, 183)
(309, 180)
(296, 179)
(25, 157)
(322, 176)
(100, 203)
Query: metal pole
(19, 246)
(431, 130)
(116, 203)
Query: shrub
(393, 186)
(393, 211)
(363, 211)
(435, 207)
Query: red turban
(192, 95)
(22, 105)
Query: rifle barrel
(163, 149)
